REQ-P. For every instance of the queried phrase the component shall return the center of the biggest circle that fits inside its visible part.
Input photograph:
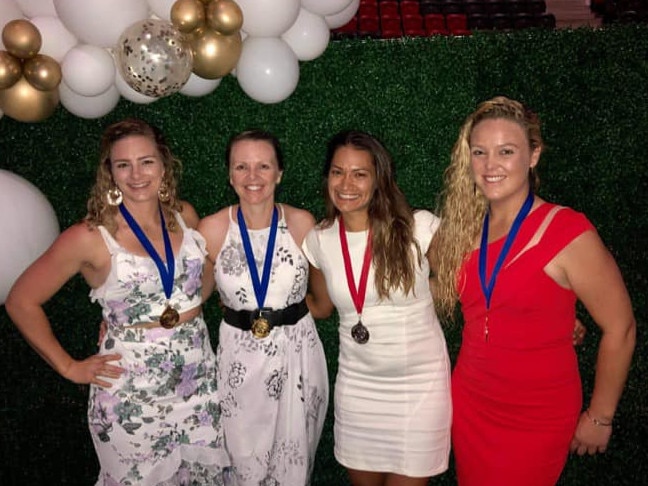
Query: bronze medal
(260, 328)
(169, 318)
(360, 333)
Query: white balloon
(100, 22)
(197, 86)
(129, 93)
(161, 8)
(268, 18)
(33, 8)
(268, 70)
(342, 18)
(9, 11)
(88, 70)
(328, 7)
(88, 106)
(57, 40)
(308, 36)
(20, 242)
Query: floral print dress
(274, 390)
(159, 423)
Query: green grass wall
(589, 87)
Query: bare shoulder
(214, 221)
(214, 229)
(79, 246)
(297, 217)
(189, 214)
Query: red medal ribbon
(357, 295)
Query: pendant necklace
(260, 326)
(169, 317)
(358, 332)
(487, 287)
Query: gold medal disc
(260, 328)
(169, 318)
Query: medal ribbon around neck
(483, 249)
(260, 286)
(359, 332)
(169, 317)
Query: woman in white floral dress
(271, 371)
(153, 411)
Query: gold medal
(260, 328)
(169, 318)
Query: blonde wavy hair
(99, 211)
(390, 216)
(462, 207)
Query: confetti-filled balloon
(154, 58)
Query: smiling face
(137, 168)
(254, 171)
(351, 181)
(500, 159)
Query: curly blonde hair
(99, 211)
(462, 207)
(390, 215)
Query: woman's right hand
(92, 370)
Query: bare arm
(214, 229)
(74, 251)
(318, 300)
(590, 270)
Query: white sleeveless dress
(274, 390)
(159, 423)
(392, 394)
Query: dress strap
(231, 217)
(109, 240)
(180, 221)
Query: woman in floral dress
(153, 410)
(271, 367)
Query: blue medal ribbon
(483, 249)
(166, 272)
(260, 286)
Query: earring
(114, 196)
(163, 192)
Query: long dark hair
(390, 215)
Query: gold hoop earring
(163, 192)
(114, 196)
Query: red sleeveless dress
(516, 388)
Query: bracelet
(597, 422)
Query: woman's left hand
(590, 438)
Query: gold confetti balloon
(154, 58)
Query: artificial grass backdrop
(589, 87)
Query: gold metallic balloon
(10, 70)
(42, 72)
(188, 15)
(22, 38)
(224, 16)
(215, 55)
(25, 103)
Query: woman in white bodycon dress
(392, 391)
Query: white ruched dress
(392, 395)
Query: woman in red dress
(517, 264)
